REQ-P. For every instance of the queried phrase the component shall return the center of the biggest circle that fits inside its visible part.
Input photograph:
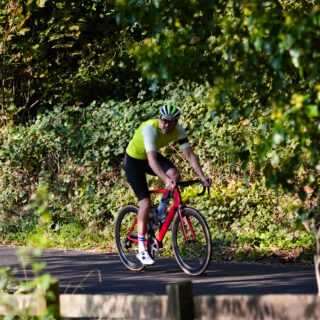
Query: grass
(281, 246)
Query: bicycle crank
(153, 247)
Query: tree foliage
(255, 55)
(69, 52)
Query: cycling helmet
(169, 112)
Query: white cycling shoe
(145, 259)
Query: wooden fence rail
(179, 303)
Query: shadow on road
(97, 273)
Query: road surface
(84, 272)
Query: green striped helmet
(169, 112)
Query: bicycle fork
(183, 227)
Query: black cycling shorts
(136, 173)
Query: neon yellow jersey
(149, 137)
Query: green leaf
(41, 3)
(312, 111)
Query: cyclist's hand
(206, 182)
(169, 184)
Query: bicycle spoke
(192, 244)
(127, 237)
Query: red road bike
(191, 239)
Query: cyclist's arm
(157, 169)
(155, 166)
(182, 137)
(149, 135)
(191, 156)
(194, 161)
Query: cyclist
(142, 157)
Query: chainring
(153, 247)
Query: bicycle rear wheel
(192, 248)
(127, 248)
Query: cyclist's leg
(174, 174)
(136, 175)
(144, 208)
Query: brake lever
(203, 191)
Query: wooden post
(52, 299)
(180, 301)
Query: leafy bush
(78, 153)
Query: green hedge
(77, 153)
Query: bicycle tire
(127, 249)
(193, 256)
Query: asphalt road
(99, 273)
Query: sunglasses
(168, 122)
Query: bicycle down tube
(176, 206)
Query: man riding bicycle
(141, 157)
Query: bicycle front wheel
(126, 235)
(191, 242)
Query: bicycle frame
(190, 237)
(177, 205)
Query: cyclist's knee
(145, 204)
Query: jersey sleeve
(182, 137)
(149, 137)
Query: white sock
(141, 239)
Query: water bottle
(153, 221)
(162, 208)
